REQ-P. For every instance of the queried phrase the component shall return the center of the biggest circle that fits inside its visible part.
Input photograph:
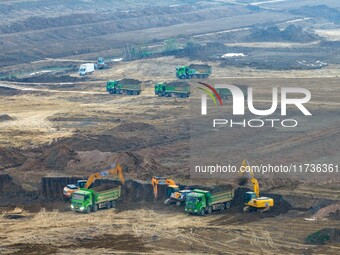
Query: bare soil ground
(54, 123)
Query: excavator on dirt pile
(252, 199)
(175, 195)
(114, 169)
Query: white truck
(87, 68)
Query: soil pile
(9, 91)
(327, 211)
(179, 84)
(133, 126)
(199, 66)
(57, 157)
(139, 166)
(10, 158)
(324, 236)
(292, 33)
(129, 81)
(5, 117)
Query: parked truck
(177, 89)
(204, 202)
(193, 71)
(124, 86)
(85, 69)
(87, 200)
(226, 93)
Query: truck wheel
(222, 208)
(167, 201)
(209, 210)
(94, 208)
(227, 205)
(188, 77)
(88, 209)
(108, 205)
(202, 212)
(182, 77)
(113, 204)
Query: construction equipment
(252, 199)
(114, 169)
(204, 202)
(101, 64)
(124, 86)
(177, 89)
(175, 195)
(87, 200)
(193, 71)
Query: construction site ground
(55, 124)
(68, 129)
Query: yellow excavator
(175, 195)
(114, 169)
(252, 199)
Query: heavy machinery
(175, 195)
(252, 199)
(124, 86)
(205, 202)
(114, 169)
(193, 71)
(87, 200)
(101, 64)
(177, 89)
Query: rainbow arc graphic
(211, 91)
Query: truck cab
(111, 87)
(195, 203)
(159, 89)
(182, 72)
(82, 201)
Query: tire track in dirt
(301, 139)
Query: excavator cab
(81, 183)
(248, 196)
(172, 189)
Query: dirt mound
(9, 91)
(292, 33)
(179, 84)
(324, 236)
(57, 157)
(129, 81)
(10, 158)
(139, 166)
(134, 126)
(48, 77)
(5, 117)
(327, 211)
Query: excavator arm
(245, 168)
(155, 181)
(115, 169)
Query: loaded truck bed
(87, 200)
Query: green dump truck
(193, 71)
(177, 89)
(124, 86)
(226, 94)
(87, 200)
(204, 202)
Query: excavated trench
(134, 191)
